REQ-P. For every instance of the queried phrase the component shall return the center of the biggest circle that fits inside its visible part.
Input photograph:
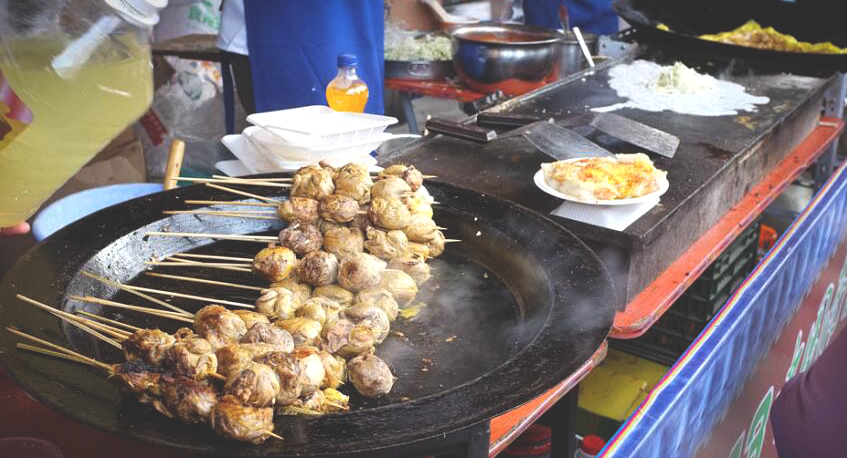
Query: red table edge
(649, 305)
(508, 426)
(441, 89)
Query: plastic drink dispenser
(74, 74)
(346, 92)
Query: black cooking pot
(512, 310)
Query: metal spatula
(559, 142)
(640, 135)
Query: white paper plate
(317, 124)
(542, 184)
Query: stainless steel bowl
(511, 58)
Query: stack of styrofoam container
(286, 140)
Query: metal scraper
(634, 132)
(560, 142)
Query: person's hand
(17, 229)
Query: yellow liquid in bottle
(352, 98)
(73, 118)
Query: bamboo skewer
(211, 256)
(194, 264)
(243, 193)
(246, 212)
(256, 182)
(209, 282)
(106, 320)
(223, 214)
(229, 202)
(135, 308)
(64, 350)
(244, 238)
(55, 354)
(130, 290)
(191, 296)
(75, 321)
(272, 180)
(451, 240)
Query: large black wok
(811, 21)
(527, 303)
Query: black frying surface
(526, 301)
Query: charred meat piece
(253, 384)
(414, 266)
(301, 291)
(219, 326)
(379, 297)
(338, 208)
(360, 271)
(304, 331)
(299, 210)
(325, 226)
(400, 284)
(148, 345)
(386, 244)
(312, 371)
(390, 187)
(301, 238)
(343, 242)
(287, 369)
(144, 380)
(233, 356)
(187, 399)
(233, 420)
(354, 181)
(335, 293)
(319, 309)
(362, 221)
(335, 369)
(274, 263)
(250, 317)
(276, 303)
(313, 182)
(409, 174)
(371, 316)
(191, 356)
(370, 375)
(319, 268)
(266, 333)
(389, 213)
(421, 229)
(346, 339)
(436, 245)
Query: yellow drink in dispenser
(67, 118)
(346, 92)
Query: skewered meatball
(313, 182)
(362, 221)
(409, 174)
(421, 229)
(400, 284)
(301, 291)
(359, 271)
(274, 263)
(319, 309)
(299, 209)
(326, 226)
(235, 355)
(335, 401)
(253, 384)
(418, 205)
(319, 268)
(370, 375)
(390, 187)
(267, 333)
(354, 181)
(149, 345)
(343, 242)
(382, 298)
(347, 339)
(304, 331)
(219, 326)
(436, 245)
(372, 317)
(338, 208)
(414, 266)
(335, 293)
(389, 213)
(191, 356)
(418, 250)
(312, 371)
(335, 368)
(386, 244)
(301, 238)
(288, 371)
(142, 379)
(250, 317)
(233, 420)
(186, 399)
(276, 303)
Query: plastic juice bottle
(63, 96)
(346, 92)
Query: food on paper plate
(603, 178)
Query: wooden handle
(458, 130)
(439, 11)
(174, 163)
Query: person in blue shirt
(591, 16)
